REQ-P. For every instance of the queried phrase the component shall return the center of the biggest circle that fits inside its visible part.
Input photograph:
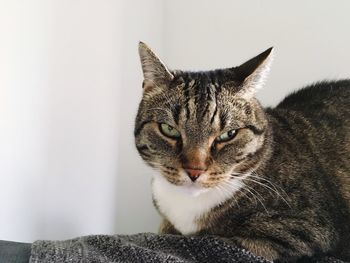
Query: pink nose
(193, 174)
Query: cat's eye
(226, 136)
(169, 131)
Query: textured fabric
(14, 252)
(145, 247)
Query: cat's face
(201, 130)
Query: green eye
(227, 136)
(169, 131)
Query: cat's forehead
(205, 87)
(200, 100)
(217, 77)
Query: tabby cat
(275, 181)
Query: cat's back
(315, 123)
(321, 113)
(323, 98)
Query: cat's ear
(252, 74)
(155, 73)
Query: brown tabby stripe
(299, 204)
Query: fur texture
(275, 181)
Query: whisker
(250, 189)
(241, 190)
(221, 191)
(228, 189)
(274, 188)
(270, 188)
(272, 184)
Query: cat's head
(204, 129)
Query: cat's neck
(184, 210)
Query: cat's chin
(193, 190)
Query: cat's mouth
(206, 182)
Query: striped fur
(280, 188)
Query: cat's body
(308, 170)
(279, 186)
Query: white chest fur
(183, 208)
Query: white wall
(142, 20)
(23, 117)
(70, 82)
(311, 38)
(70, 79)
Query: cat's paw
(259, 248)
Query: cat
(275, 181)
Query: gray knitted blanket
(146, 247)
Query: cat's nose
(193, 174)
